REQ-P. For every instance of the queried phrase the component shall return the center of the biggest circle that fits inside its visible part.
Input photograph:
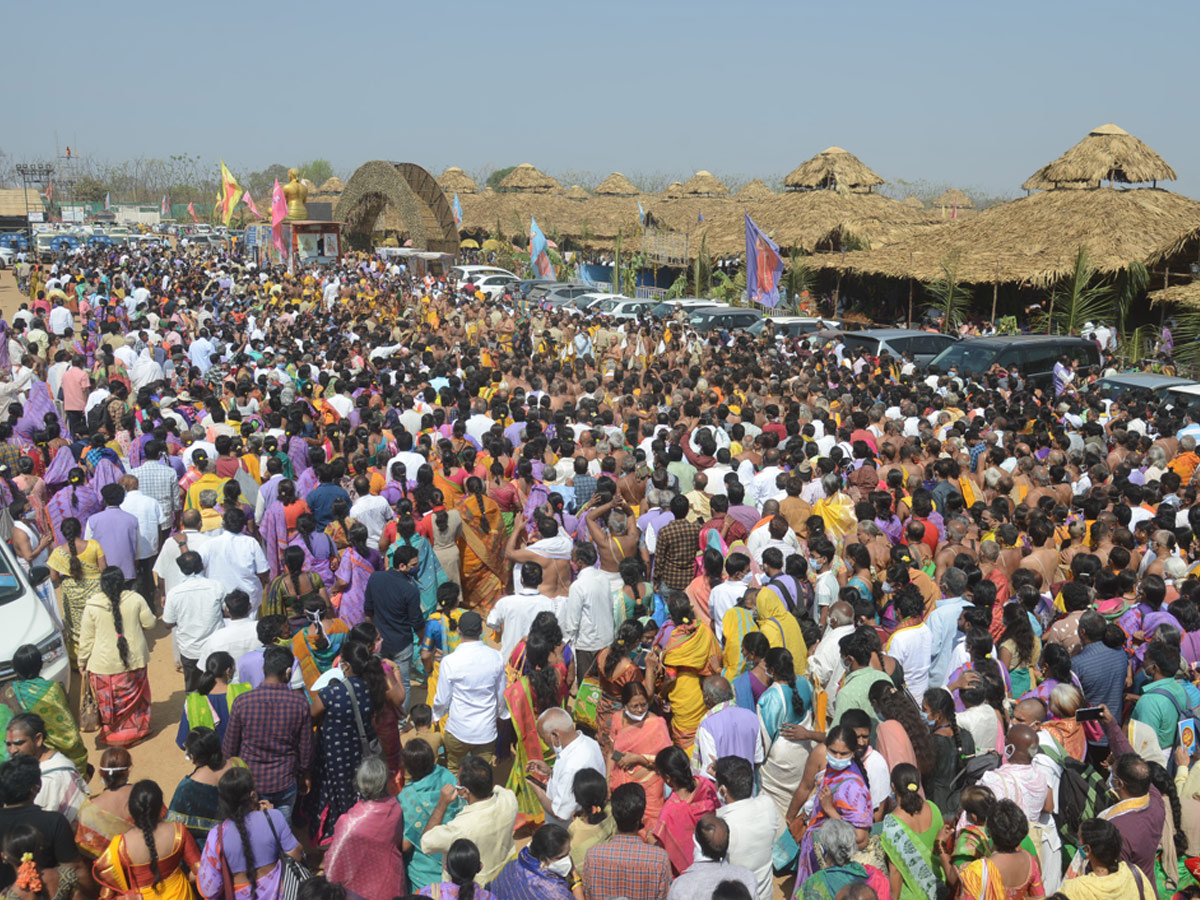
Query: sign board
(72, 214)
(37, 217)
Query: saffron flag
(539, 258)
(764, 266)
(50, 191)
(456, 207)
(278, 214)
(165, 209)
(249, 201)
(231, 192)
(192, 211)
(107, 201)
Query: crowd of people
(481, 601)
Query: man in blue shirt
(943, 623)
(393, 604)
(1099, 668)
(320, 499)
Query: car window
(902, 345)
(1038, 358)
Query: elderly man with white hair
(574, 752)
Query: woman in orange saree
(636, 736)
(484, 572)
(452, 494)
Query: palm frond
(1077, 299)
(951, 299)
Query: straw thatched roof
(617, 185)
(332, 185)
(1033, 240)
(13, 201)
(526, 177)
(704, 184)
(674, 189)
(754, 192)
(1184, 294)
(832, 168)
(575, 192)
(954, 197)
(455, 181)
(912, 202)
(1108, 153)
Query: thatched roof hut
(953, 197)
(674, 190)
(913, 202)
(1108, 153)
(455, 181)
(755, 191)
(616, 185)
(1184, 294)
(704, 184)
(832, 168)
(526, 177)
(332, 185)
(575, 192)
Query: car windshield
(663, 309)
(699, 318)
(966, 356)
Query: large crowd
(475, 600)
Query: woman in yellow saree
(484, 572)
(158, 868)
(780, 626)
(686, 651)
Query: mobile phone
(1089, 714)
(617, 755)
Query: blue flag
(456, 207)
(699, 217)
(641, 213)
(764, 266)
(539, 258)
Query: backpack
(971, 767)
(1082, 794)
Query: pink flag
(278, 214)
(250, 203)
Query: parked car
(1032, 356)
(7, 255)
(792, 326)
(463, 274)
(1184, 396)
(528, 285)
(562, 294)
(621, 309)
(1159, 385)
(922, 346)
(27, 621)
(683, 304)
(713, 318)
(590, 302)
(495, 285)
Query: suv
(1032, 356)
(792, 326)
(1159, 385)
(620, 308)
(922, 346)
(562, 294)
(27, 621)
(719, 317)
(494, 284)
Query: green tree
(261, 183)
(493, 180)
(797, 279)
(1078, 298)
(950, 298)
(89, 189)
(318, 171)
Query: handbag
(370, 746)
(293, 874)
(587, 701)
(89, 708)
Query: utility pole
(36, 173)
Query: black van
(1031, 355)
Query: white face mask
(556, 747)
(561, 866)
(839, 763)
(636, 718)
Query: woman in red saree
(636, 737)
(484, 571)
(528, 696)
(692, 798)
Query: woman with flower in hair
(23, 847)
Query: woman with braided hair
(114, 654)
(952, 747)
(75, 565)
(484, 570)
(153, 858)
(252, 841)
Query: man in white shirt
(820, 563)
(405, 454)
(726, 595)
(236, 560)
(60, 317)
(194, 610)
(372, 510)
(512, 615)
(151, 520)
(574, 752)
(752, 821)
(911, 644)
(587, 619)
(238, 634)
(470, 691)
(825, 666)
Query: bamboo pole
(995, 293)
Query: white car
(7, 256)
(589, 303)
(463, 274)
(623, 308)
(494, 284)
(27, 621)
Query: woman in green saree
(527, 698)
(46, 698)
(910, 836)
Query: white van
(27, 621)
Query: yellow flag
(231, 193)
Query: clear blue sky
(967, 93)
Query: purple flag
(764, 266)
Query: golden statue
(296, 194)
